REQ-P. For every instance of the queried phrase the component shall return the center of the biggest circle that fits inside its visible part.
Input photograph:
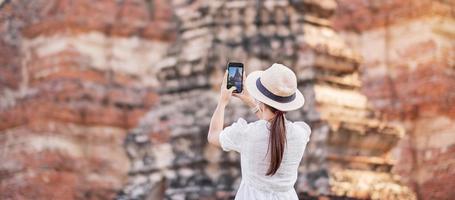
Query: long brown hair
(277, 140)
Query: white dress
(251, 141)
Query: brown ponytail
(277, 141)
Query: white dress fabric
(251, 141)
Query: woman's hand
(225, 94)
(245, 96)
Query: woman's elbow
(212, 139)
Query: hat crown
(280, 80)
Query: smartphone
(235, 76)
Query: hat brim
(250, 84)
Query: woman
(272, 147)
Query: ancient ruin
(349, 150)
(408, 53)
(112, 99)
(74, 77)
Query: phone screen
(235, 76)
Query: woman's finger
(225, 73)
(231, 90)
(223, 83)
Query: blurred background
(111, 99)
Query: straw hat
(276, 87)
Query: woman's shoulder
(301, 129)
(297, 124)
(242, 123)
(301, 125)
(239, 124)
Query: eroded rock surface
(348, 155)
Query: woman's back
(252, 142)
(270, 149)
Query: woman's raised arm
(217, 121)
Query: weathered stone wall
(112, 99)
(408, 71)
(74, 76)
(349, 152)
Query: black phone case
(239, 77)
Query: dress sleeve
(306, 129)
(232, 136)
